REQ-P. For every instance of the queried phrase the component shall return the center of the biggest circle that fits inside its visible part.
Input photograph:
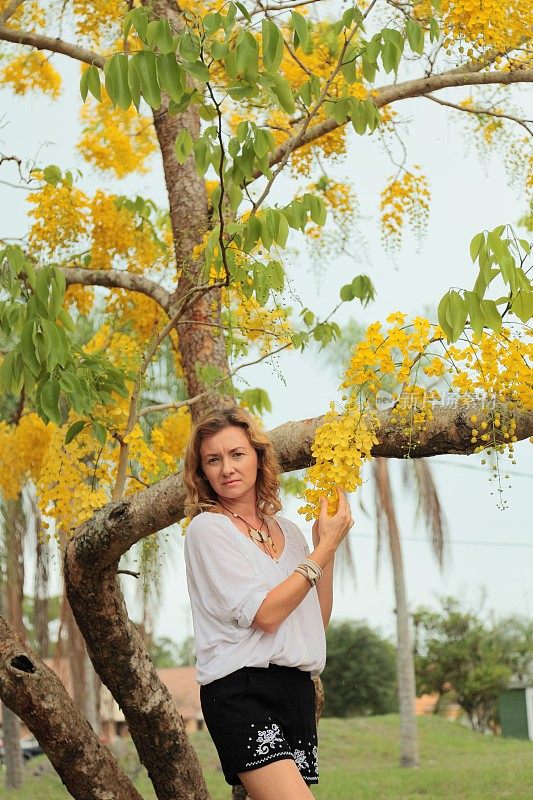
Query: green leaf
(235, 196)
(456, 314)
(301, 30)
(442, 316)
(29, 350)
(100, 432)
(523, 305)
(244, 11)
(219, 50)
(84, 84)
(183, 145)
(272, 46)
(52, 175)
(475, 314)
(146, 65)
(139, 20)
(198, 70)
(434, 32)
(164, 40)
(134, 82)
(58, 346)
(116, 80)
(415, 36)
(283, 92)
(491, 315)
(91, 79)
(476, 245)
(171, 76)
(346, 293)
(49, 400)
(74, 429)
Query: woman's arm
(324, 586)
(328, 533)
(287, 595)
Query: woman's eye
(239, 454)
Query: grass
(358, 760)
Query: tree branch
(115, 279)
(35, 694)
(41, 42)
(116, 527)
(386, 95)
(480, 111)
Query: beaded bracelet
(310, 570)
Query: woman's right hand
(332, 530)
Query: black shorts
(258, 715)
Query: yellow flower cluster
(60, 219)
(80, 296)
(170, 437)
(341, 446)
(72, 481)
(120, 347)
(114, 140)
(404, 199)
(137, 312)
(32, 71)
(115, 233)
(23, 448)
(338, 197)
(267, 328)
(494, 369)
(28, 16)
(486, 24)
(99, 21)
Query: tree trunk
(409, 756)
(35, 693)
(11, 734)
(201, 342)
(41, 581)
(14, 530)
(119, 656)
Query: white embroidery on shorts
(267, 739)
(274, 756)
(301, 761)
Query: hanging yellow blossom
(32, 71)
(114, 140)
(99, 21)
(23, 449)
(60, 219)
(172, 434)
(404, 199)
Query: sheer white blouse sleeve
(222, 579)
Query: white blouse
(228, 577)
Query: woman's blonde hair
(200, 495)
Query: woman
(260, 603)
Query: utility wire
(482, 467)
(454, 541)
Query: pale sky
(490, 551)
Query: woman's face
(229, 463)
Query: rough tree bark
(35, 693)
(409, 754)
(201, 342)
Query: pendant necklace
(257, 534)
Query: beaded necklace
(256, 534)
